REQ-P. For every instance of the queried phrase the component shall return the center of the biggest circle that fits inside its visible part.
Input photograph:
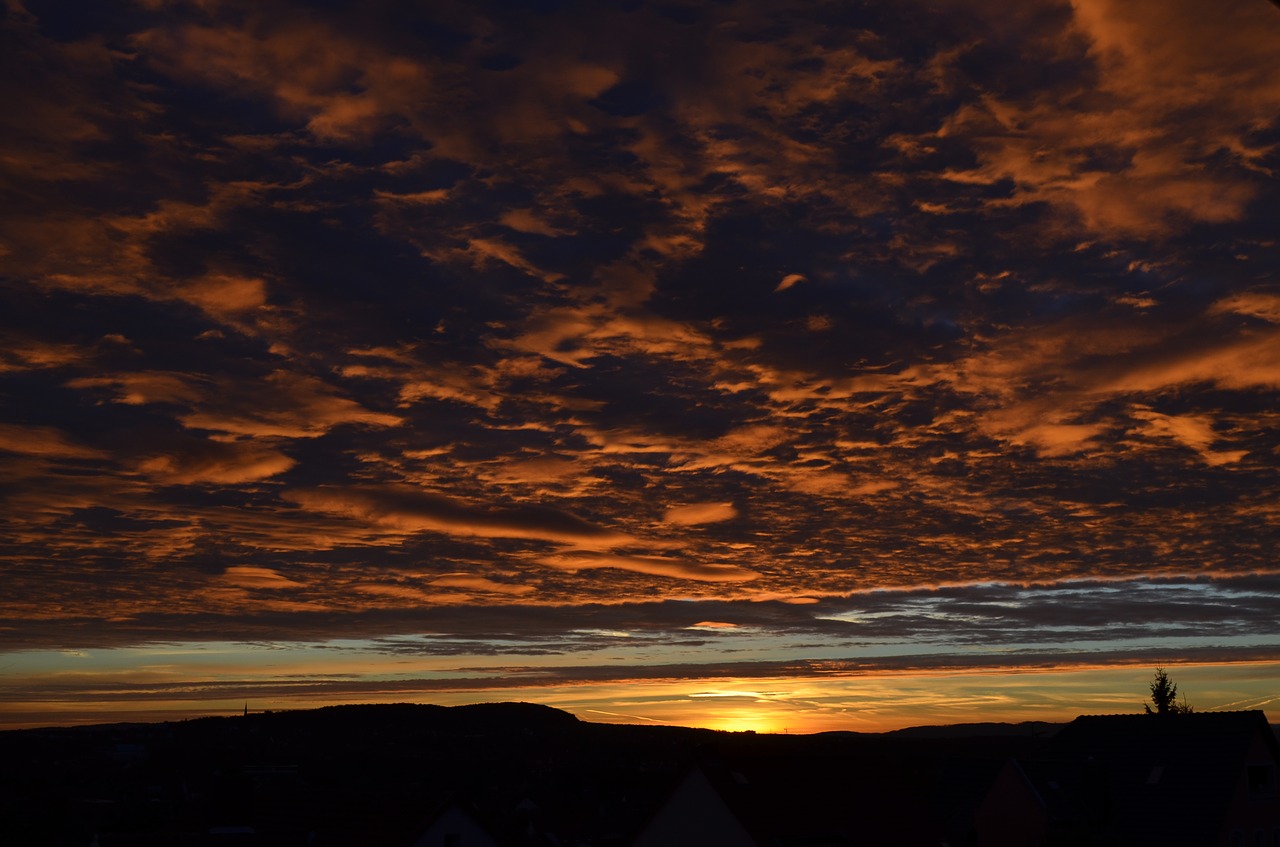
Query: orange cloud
(651, 565)
(415, 198)
(248, 576)
(222, 295)
(526, 220)
(1156, 65)
(1258, 304)
(1193, 431)
(700, 513)
(45, 442)
(284, 404)
(216, 462)
(818, 481)
(22, 354)
(788, 281)
(136, 389)
(45, 128)
(396, 592)
(537, 471)
(481, 252)
(306, 69)
(113, 254)
(472, 582)
(404, 509)
(1057, 439)
(1249, 361)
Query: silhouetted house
(844, 792)
(453, 825)
(696, 814)
(1198, 779)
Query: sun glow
(220, 678)
(740, 710)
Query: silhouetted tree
(1164, 696)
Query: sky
(765, 365)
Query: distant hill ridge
(515, 714)
(1039, 729)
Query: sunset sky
(755, 365)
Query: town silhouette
(507, 774)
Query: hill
(375, 775)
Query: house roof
(831, 800)
(1148, 778)
(1137, 732)
(733, 818)
(447, 805)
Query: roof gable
(1155, 778)
(695, 814)
(1206, 740)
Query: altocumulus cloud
(403, 509)
(845, 325)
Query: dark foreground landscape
(520, 774)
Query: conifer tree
(1164, 696)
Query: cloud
(1258, 304)
(140, 388)
(1117, 158)
(215, 462)
(44, 441)
(651, 565)
(482, 584)
(306, 70)
(1193, 431)
(281, 404)
(406, 510)
(1250, 360)
(1058, 439)
(287, 404)
(700, 513)
(22, 354)
(78, 103)
(226, 296)
(250, 576)
(526, 220)
(481, 253)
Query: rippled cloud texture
(641, 341)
